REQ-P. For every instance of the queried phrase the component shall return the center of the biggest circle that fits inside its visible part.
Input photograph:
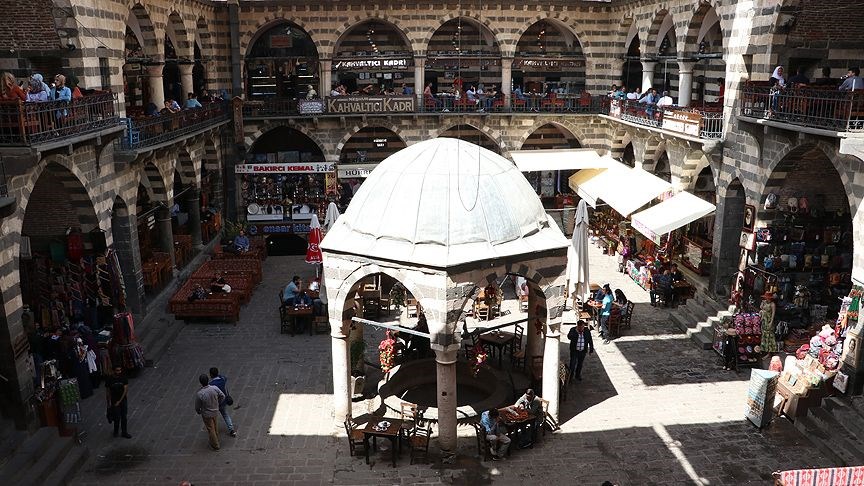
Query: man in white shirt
(633, 95)
(581, 344)
(665, 100)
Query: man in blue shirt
(292, 294)
(495, 434)
(605, 311)
(241, 242)
(220, 382)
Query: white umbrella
(331, 216)
(578, 253)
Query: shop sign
(281, 41)
(687, 122)
(303, 168)
(615, 108)
(371, 104)
(310, 107)
(355, 171)
(760, 397)
(554, 64)
(275, 229)
(370, 64)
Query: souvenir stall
(71, 280)
(123, 348)
(281, 197)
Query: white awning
(623, 188)
(558, 159)
(671, 214)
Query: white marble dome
(444, 202)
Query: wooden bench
(228, 266)
(240, 283)
(225, 306)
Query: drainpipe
(234, 27)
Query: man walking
(116, 392)
(207, 400)
(221, 382)
(581, 344)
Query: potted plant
(358, 366)
(230, 230)
(397, 296)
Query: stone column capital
(155, 70)
(685, 66)
(185, 68)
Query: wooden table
(514, 422)
(289, 316)
(498, 339)
(391, 433)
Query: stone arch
(491, 134)
(561, 127)
(267, 22)
(176, 29)
(695, 28)
(153, 179)
(562, 22)
(251, 139)
(62, 173)
(358, 21)
(662, 23)
(202, 35)
(694, 162)
(619, 142)
(473, 17)
(394, 130)
(776, 171)
(142, 26)
(186, 167)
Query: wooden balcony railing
(704, 122)
(144, 132)
(34, 123)
(823, 108)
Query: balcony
(701, 124)
(52, 124)
(813, 110)
(552, 103)
(150, 133)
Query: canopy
(577, 255)
(313, 251)
(558, 159)
(623, 188)
(673, 213)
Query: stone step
(711, 305)
(10, 440)
(45, 464)
(681, 321)
(831, 437)
(67, 468)
(27, 453)
(851, 419)
(704, 338)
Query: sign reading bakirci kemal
(370, 104)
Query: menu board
(693, 254)
(760, 397)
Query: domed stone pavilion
(445, 218)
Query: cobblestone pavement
(652, 409)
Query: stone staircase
(698, 317)
(41, 459)
(837, 429)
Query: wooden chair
(419, 442)
(548, 421)
(523, 303)
(385, 304)
(483, 445)
(355, 437)
(408, 414)
(413, 308)
(625, 320)
(563, 379)
(517, 352)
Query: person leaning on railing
(852, 81)
(9, 89)
(35, 93)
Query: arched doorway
(549, 57)
(471, 134)
(662, 45)
(361, 154)
(462, 52)
(281, 63)
(548, 184)
(137, 58)
(698, 236)
(155, 236)
(628, 157)
(284, 182)
(68, 275)
(709, 72)
(662, 169)
(631, 74)
(373, 57)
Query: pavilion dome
(444, 202)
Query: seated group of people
(293, 295)
(496, 431)
(662, 285)
(36, 90)
(604, 300)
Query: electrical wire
(459, 151)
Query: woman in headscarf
(778, 83)
(36, 92)
(9, 89)
(38, 78)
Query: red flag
(313, 252)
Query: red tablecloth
(837, 476)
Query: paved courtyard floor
(652, 410)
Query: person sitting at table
(198, 293)
(621, 300)
(633, 95)
(531, 404)
(292, 295)
(241, 242)
(495, 433)
(676, 274)
(314, 294)
(430, 98)
(407, 90)
(219, 285)
(661, 287)
(471, 95)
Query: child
(730, 349)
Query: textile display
(68, 392)
(835, 476)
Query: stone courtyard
(652, 409)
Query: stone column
(506, 78)
(419, 79)
(533, 339)
(648, 74)
(125, 234)
(193, 203)
(445, 357)
(326, 79)
(166, 233)
(685, 82)
(341, 383)
(157, 89)
(551, 363)
(186, 80)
